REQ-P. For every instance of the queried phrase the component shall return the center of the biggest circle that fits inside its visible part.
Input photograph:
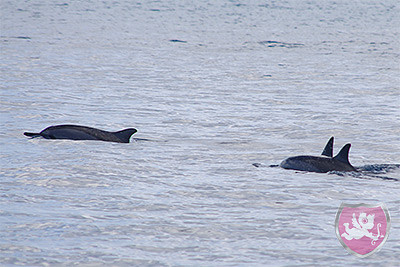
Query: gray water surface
(216, 86)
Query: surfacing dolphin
(77, 132)
(324, 163)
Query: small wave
(177, 41)
(280, 44)
(262, 165)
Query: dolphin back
(78, 132)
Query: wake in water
(363, 172)
(371, 171)
(379, 168)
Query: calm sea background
(216, 86)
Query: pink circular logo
(362, 229)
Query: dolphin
(324, 163)
(77, 132)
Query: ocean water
(215, 86)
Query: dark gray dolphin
(324, 163)
(77, 132)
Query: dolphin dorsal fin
(328, 150)
(125, 134)
(343, 154)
